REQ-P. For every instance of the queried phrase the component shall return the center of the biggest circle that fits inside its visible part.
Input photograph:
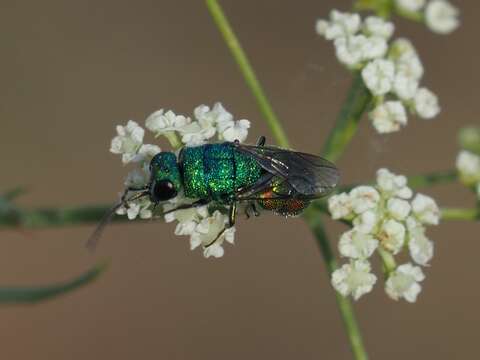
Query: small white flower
(354, 278)
(426, 103)
(321, 27)
(366, 222)
(147, 152)
(364, 198)
(137, 178)
(402, 47)
(426, 209)
(399, 209)
(376, 26)
(374, 47)
(128, 140)
(468, 165)
(421, 248)
(350, 50)
(357, 245)
(198, 132)
(218, 115)
(238, 130)
(206, 232)
(405, 87)
(389, 117)
(404, 282)
(340, 25)
(392, 236)
(161, 123)
(378, 76)
(393, 185)
(441, 16)
(410, 5)
(340, 206)
(139, 207)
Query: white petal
(364, 198)
(426, 209)
(378, 76)
(468, 165)
(389, 117)
(354, 278)
(392, 236)
(441, 16)
(340, 206)
(410, 5)
(399, 209)
(357, 245)
(403, 282)
(375, 25)
(426, 104)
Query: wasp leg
(261, 141)
(251, 209)
(195, 204)
(123, 199)
(232, 216)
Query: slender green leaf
(16, 295)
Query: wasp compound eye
(164, 190)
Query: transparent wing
(309, 175)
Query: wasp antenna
(92, 241)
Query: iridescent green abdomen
(216, 171)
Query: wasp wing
(309, 175)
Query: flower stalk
(345, 306)
(460, 214)
(248, 73)
(356, 103)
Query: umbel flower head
(391, 70)
(384, 219)
(201, 224)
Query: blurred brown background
(72, 70)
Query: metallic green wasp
(230, 173)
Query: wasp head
(165, 178)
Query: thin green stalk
(460, 214)
(357, 101)
(53, 217)
(434, 178)
(247, 72)
(388, 261)
(346, 310)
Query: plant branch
(248, 73)
(434, 178)
(314, 220)
(356, 103)
(460, 214)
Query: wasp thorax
(165, 177)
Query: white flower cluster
(391, 71)
(384, 219)
(202, 227)
(439, 15)
(468, 167)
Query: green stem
(346, 310)
(388, 261)
(356, 103)
(460, 214)
(53, 217)
(174, 140)
(248, 73)
(434, 178)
